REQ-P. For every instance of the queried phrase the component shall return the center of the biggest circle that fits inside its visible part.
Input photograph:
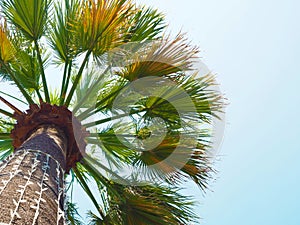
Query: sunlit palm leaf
(30, 16)
(145, 24)
(158, 58)
(81, 177)
(7, 50)
(7, 151)
(62, 39)
(27, 69)
(99, 23)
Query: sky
(253, 47)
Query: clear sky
(253, 46)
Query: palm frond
(97, 28)
(146, 205)
(88, 89)
(5, 136)
(82, 179)
(104, 102)
(4, 154)
(54, 97)
(4, 112)
(7, 50)
(156, 58)
(99, 24)
(13, 97)
(29, 16)
(62, 40)
(6, 147)
(112, 147)
(26, 69)
(72, 214)
(145, 24)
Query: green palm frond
(6, 124)
(29, 16)
(93, 80)
(146, 205)
(6, 147)
(54, 97)
(7, 50)
(5, 151)
(99, 24)
(72, 214)
(112, 147)
(62, 39)
(6, 113)
(5, 136)
(109, 91)
(82, 177)
(97, 28)
(28, 73)
(13, 97)
(145, 24)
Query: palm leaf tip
(72, 214)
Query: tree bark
(32, 180)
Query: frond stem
(6, 113)
(90, 90)
(37, 48)
(77, 79)
(11, 106)
(91, 111)
(39, 95)
(67, 82)
(5, 136)
(87, 125)
(63, 82)
(87, 190)
(1, 92)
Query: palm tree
(125, 86)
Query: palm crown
(102, 48)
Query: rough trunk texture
(32, 180)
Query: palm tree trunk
(32, 180)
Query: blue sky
(253, 47)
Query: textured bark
(32, 180)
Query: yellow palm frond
(159, 58)
(7, 50)
(99, 24)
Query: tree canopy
(135, 88)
